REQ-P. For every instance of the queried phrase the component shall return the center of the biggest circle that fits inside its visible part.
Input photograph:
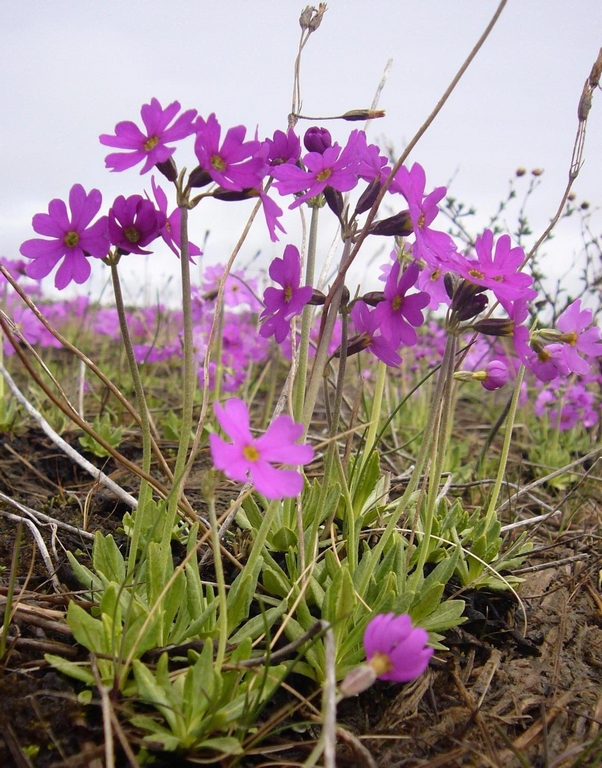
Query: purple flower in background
(496, 375)
(500, 272)
(170, 231)
(239, 288)
(399, 314)
(577, 337)
(367, 324)
(237, 164)
(148, 146)
(133, 223)
(548, 362)
(282, 304)
(395, 649)
(247, 458)
(334, 168)
(282, 147)
(73, 239)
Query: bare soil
(521, 684)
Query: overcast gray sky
(70, 70)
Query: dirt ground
(521, 684)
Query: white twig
(42, 518)
(96, 473)
(41, 546)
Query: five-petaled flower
(334, 167)
(370, 337)
(499, 271)
(577, 336)
(133, 223)
(282, 304)
(395, 649)
(149, 146)
(236, 164)
(399, 314)
(249, 458)
(73, 240)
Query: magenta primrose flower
(170, 232)
(431, 245)
(334, 167)
(500, 272)
(370, 337)
(247, 458)
(399, 314)
(72, 238)
(577, 337)
(236, 164)
(148, 146)
(133, 223)
(282, 147)
(282, 304)
(395, 649)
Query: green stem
(189, 384)
(421, 461)
(440, 440)
(306, 318)
(221, 584)
(145, 491)
(377, 402)
(506, 446)
(321, 357)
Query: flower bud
(168, 169)
(373, 298)
(399, 225)
(495, 326)
(334, 199)
(199, 177)
(363, 114)
(318, 299)
(358, 680)
(468, 300)
(368, 197)
(317, 139)
(233, 196)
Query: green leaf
(339, 602)
(71, 669)
(256, 626)
(107, 559)
(241, 594)
(87, 630)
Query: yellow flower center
(132, 234)
(217, 163)
(71, 239)
(543, 356)
(396, 303)
(325, 174)
(421, 220)
(288, 293)
(435, 274)
(250, 453)
(380, 663)
(151, 143)
(476, 273)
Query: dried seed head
(585, 103)
(311, 17)
(596, 73)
